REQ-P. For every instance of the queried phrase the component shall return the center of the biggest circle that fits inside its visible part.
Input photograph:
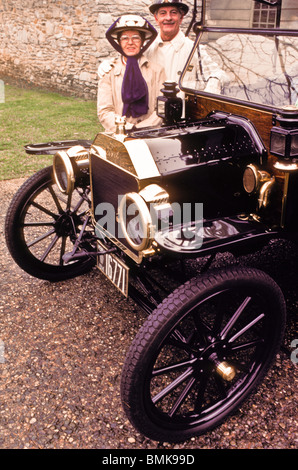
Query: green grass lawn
(32, 116)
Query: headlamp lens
(63, 172)
(135, 221)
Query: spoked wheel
(42, 225)
(201, 353)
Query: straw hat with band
(134, 88)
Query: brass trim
(137, 257)
(155, 194)
(254, 171)
(226, 371)
(287, 168)
(284, 200)
(263, 195)
(80, 158)
(260, 177)
(149, 252)
(62, 155)
(146, 221)
(263, 182)
(100, 152)
(141, 158)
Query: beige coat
(109, 100)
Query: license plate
(115, 270)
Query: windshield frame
(200, 27)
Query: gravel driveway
(64, 346)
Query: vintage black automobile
(142, 205)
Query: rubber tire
(15, 239)
(157, 329)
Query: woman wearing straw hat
(132, 85)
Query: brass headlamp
(70, 168)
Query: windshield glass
(241, 56)
(251, 14)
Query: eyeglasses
(135, 39)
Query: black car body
(141, 204)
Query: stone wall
(57, 45)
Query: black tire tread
(24, 260)
(141, 347)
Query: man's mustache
(168, 22)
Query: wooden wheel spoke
(41, 238)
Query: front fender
(233, 234)
(50, 148)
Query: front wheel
(201, 353)
(42, 226)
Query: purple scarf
(134, 90)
